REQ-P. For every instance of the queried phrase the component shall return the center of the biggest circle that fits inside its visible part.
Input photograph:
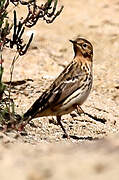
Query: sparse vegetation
(11, 36)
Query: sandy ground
(43, 153)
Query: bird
(70, 89)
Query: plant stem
(11, 76)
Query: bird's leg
(79, 110)
(59, 122)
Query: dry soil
(92, 152)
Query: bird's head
(82, 47)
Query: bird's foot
(66, 136)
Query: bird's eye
(84, 45)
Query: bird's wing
(68, 81)
(66, 87)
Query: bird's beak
(74, 42)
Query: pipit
(69, 91)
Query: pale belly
(77, 98)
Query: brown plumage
(70, 89)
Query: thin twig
(11, 72)
(11, 76)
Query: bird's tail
(32, 111)
(39, 106)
